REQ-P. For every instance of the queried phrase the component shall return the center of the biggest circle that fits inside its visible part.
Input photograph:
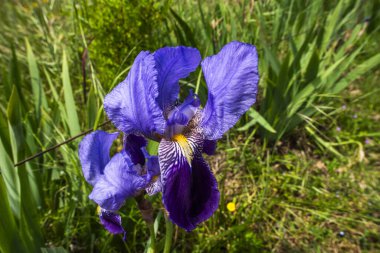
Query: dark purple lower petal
(204, 192)
(190, 192)
(176, 183)
(209, 147)
(111, 221)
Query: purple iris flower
(145, 104)
(115, 179)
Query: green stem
(168, 236)
(198, 82)
(152, 245)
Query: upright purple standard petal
(232, 78)
(173, 63)
(189, 191)
(132, 105)
(120, 181)
(94, 154)
(111, 221)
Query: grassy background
(302, 167)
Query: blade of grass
(38, 94)
(10, 240)
(71, 112)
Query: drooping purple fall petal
(176, 183)
(205, 193)
(94, 154)
(120, 181)
(132, 105)
(189, 190)
(173, 63)
(209, 147)
(111, 221)
(232, 78)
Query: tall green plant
(115, 27)
(20, 186)
(27, 127)
(319, 60)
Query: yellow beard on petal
(187, 151)
(154, 179)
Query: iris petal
(132, 145)
(205, 193)
(153, 169)
(190, 193)
(185, 112)
(180, 116)
(111, 221)
(209, 147)
(176, 183)
(173, 63)
(120, 181)
(232, 78)
(132, 105)
(154, 187)
(94, 154)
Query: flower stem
(146, 211)
(168, 236)
(152, 246)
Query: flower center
(187, 151)
(180, 116)
(180, 138)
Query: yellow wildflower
(231, 207)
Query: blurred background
(302, 167)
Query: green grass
(302, 168)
